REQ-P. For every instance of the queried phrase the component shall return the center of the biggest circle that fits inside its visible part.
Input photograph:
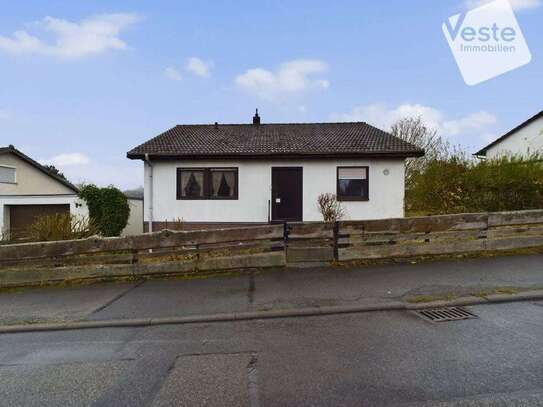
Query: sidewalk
(278, 293)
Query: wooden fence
(438, 235)
(184, 252)
(161, 253)
(419, 236)
(310, 242)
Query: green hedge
(108, 208)
(462, 185)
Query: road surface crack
(252, 382)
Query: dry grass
(498, 290)
(451, 296)
(435, 258)
(431, 298)
(61, 226)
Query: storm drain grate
(445, 314)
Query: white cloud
(475, 121)
(322, 83)
(290, 78)
(173, 74)
(381, 116)
(516, 4)
(489, 137)
(67, 160)
(90, 36)
(198, 67)
(123, 174)
(4, 114)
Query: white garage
(29, 190)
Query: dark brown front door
(287, 194)
(21, 217)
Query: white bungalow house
(29, 190)
(524, 140)
(258, 173)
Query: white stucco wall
(526, 141)
(77, 206)
(386, 192)
(135, 221)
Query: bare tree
(414, 131)
(330, 208)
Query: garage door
(23, 216)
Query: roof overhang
(276, 156)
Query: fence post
(285, 239)
(134, 261)
(336, 240)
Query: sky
(82, 83)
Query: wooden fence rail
(434, 235)
(174, 252)
(310, 242)
(161, 253)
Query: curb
(275, 314)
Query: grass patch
(438, 257)
(498, 290)
(507, 290)
(31, 321)
(419, 299)
(450, 296)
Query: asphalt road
(293, 289)
(372, 359)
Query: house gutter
(146, 159)
(289, 156)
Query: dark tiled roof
(482, 151)
(275, 140)
(12, 150)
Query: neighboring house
(524, 140)
(29, 190)
(258, 173)
(135, 221)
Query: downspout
(150, 192)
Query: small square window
(352, 184)
(7, 175)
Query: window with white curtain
(223, 183)
(7, 175)
(207, 183)
(191, 184)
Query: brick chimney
(256, 118)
